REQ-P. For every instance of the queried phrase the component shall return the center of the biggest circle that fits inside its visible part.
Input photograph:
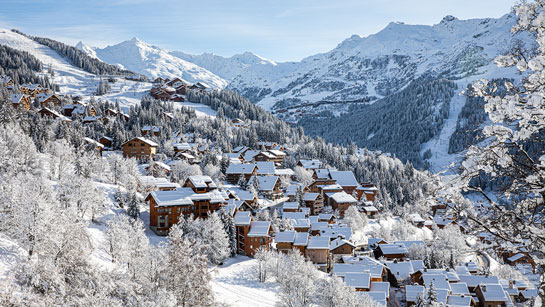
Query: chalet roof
(371, 242)
(462, 270)
(265, 168)
(440, 281)
(529, 293)
(459, 300)
(325, 216)
(318, 243)
(250, 154)
(16, 98)
(141, 139)
(400, 269)
(358, 280)
(370, 209)
(293, 215)
(176, 197)
(381, 286)
(107, 138)
(417, 265)
(415, 218)
(301, 223)
(285, 237)
(493, 293)
(516, 257)
(266, 183)
(245, 195)
(341, 269)
(442, 295)
(343, 197)
(259, 228)
(186, 155)
(451, 275)
(161, 164)
(301, 239)
(241, 168)
(202, 181)
(309, 196)
(334, 230)
(290, 206)
(181, 146)
(91, 141)
(413, 291)
(361, 260)
(393, 249)
(243, 218)
(475, 280)
(441, 221)
(459, 288)
(338, 242)
(344, 178)
(284, 172)
(322, 173)
(310, 164)
(277, 153)
(313, 219)
(331, 187)
(318, 225)
(409, 244)
(377, 296)
(158, 182)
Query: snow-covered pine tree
(230, 229)
(133, 205)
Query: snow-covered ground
(234, 283)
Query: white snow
(233, 284)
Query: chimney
(483, 287)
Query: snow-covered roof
(181, 146)
(459, 300)
(325, 216)
(265, 168)
(343, 197)
(331, 187)
(310, 164)
(250, 154)
(310, 196)
(372, 242)
(462, 270)
(358, 280)
(246, 168)
(162, 165)
(413, 291)
(381, 286)
(338, 242)
(318, 243)
(417, 265)
(285, 237)
(16, 98)
(322, 173)
(243, 218)
(409, 244)
(245, 195)
(459, 288)
(91, 141)
(475, 280)
(516, 257)
(400, 269)
(493, 293)
(284, 172)
(415, 218)
(290, 206)
(393, 249)
(301, 223)
(293, 215)
(301, 239)
(344, 178)
(341, 269)
(334, 230)
(370, 209)
(377, 296)
(259, 228)
(141, 139)
(277, 153)
(440, 281)
(178, 197)
(266, 183)
(202, 181)
(238, 149)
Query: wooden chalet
(252, 235)
(284, 241)
(341, 201)
(32, 89)
(98, 146)
(8, 81)
(49, 100)
(106, 141)
(139, 148)
(317, 251)
(53, 114)
(235, 171)
(20, 100)
(167, 206)
(200, 184)
(314, 201)
(341, 246)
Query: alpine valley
(396, 91)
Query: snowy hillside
(72, 80)
(153, 61)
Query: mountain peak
(447, 19)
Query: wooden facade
(139, 148)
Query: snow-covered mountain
(227, 68)
(367, 68)
(153, 61)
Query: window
(143, 144)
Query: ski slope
(72, 80)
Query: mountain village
(307, 209)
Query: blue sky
(282, 30)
